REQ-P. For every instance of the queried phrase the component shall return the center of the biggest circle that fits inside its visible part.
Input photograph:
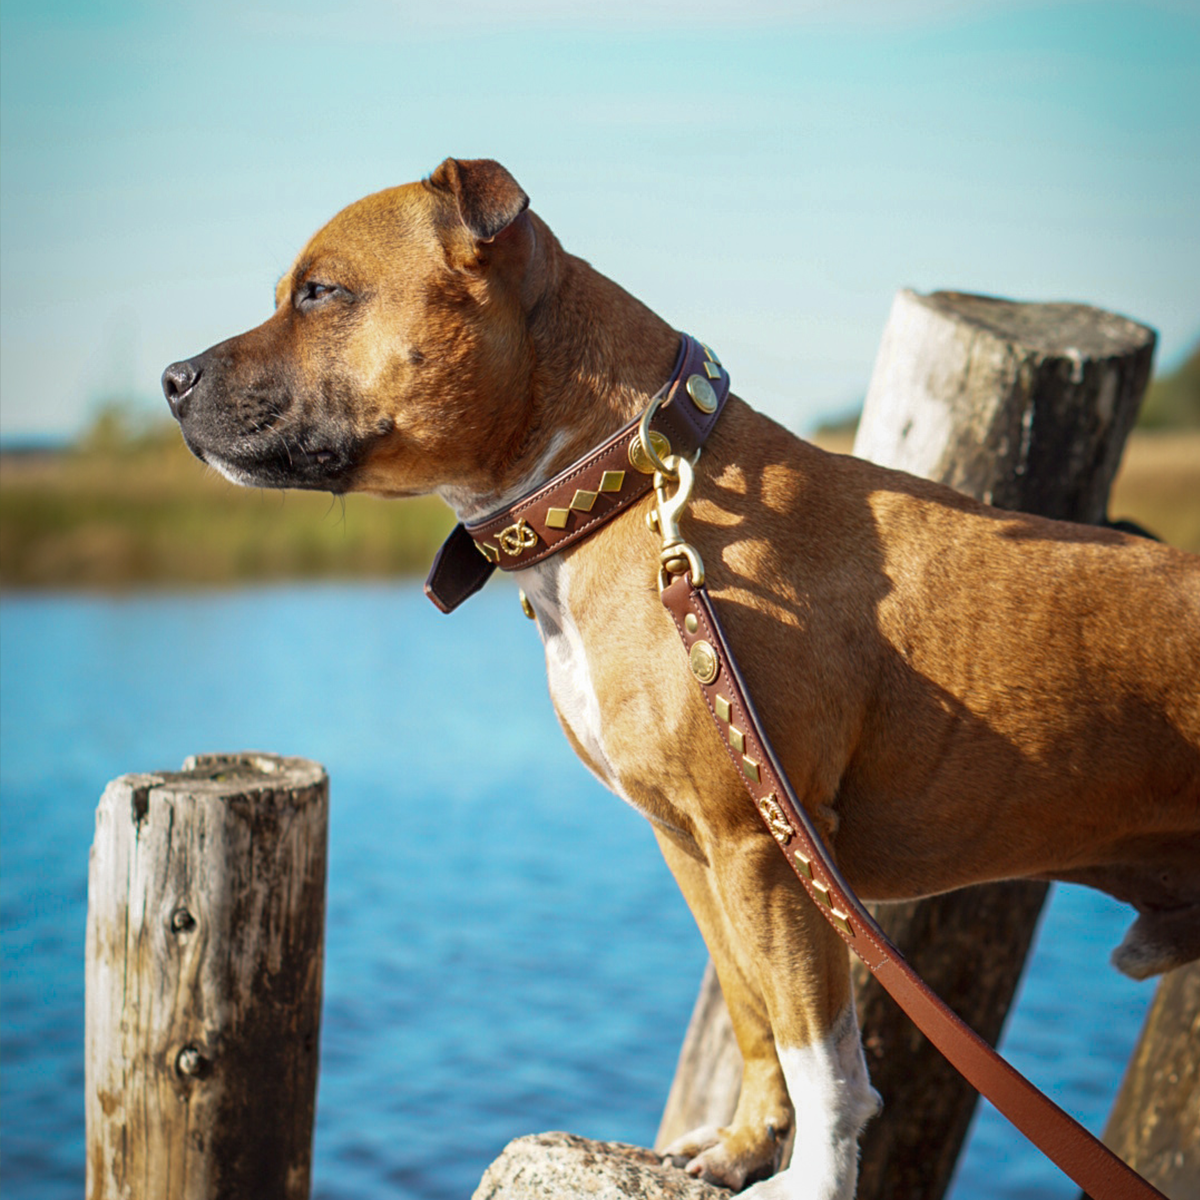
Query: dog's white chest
(548, 587)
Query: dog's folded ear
(489, 198)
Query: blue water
(471, 995)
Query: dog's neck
(615, 367)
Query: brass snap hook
(676, 555)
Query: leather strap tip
(438, 602)
(458, 571)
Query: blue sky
(765, 175)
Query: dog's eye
(313, 292)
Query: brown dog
(957, 694)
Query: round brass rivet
(690, 623)
(526, 607)
(703, 659)
(702, 394)
(637, 456)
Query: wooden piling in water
(1027, 407)
(205, 935)
(1155, 1120)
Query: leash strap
(591, 491)
(1090, 1163)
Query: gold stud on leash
(703, 660)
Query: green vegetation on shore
(125, 509)
(1173, 401)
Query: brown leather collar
(591, 491)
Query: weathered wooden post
(1025, 406)
(206, 915)
(1155, 1121)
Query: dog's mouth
(267, 458)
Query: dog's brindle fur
(958, 694)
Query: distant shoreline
(146, 515)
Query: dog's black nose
(177, 383)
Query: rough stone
(561, 1166)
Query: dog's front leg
(749, 1147)
(785, 978)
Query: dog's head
(397, 360)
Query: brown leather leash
(464, 565)
(1090, 1163)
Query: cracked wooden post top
(205, 935)
(1022, 405)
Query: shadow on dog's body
(958, 694)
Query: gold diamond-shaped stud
(737, 739)
(557, 518)
(723, 707)
(839, 919)
(750, 769)
(823, 894)
(712, 370)
(583, 500)
(803, 864)
(612, 481)
(712, 357)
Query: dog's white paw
(795, 1184)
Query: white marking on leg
(833, 1099)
